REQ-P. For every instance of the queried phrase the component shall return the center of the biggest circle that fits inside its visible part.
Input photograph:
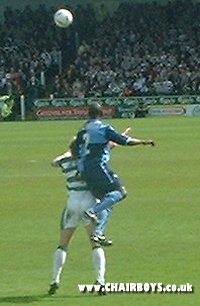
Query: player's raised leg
(98, 233)
(109, 189)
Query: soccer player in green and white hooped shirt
(79, 199)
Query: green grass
(155, 230)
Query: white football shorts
(73, 213)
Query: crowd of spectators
(139, 49)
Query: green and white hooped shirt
(69, 166)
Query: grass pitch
(155, 230)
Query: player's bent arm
(55, 162)
(127, 131)
(124, 139)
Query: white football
(63, 18)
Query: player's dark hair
(95, 110)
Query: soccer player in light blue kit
(94, 151)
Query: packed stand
(34, 52)
(144, 49)
(140, 49)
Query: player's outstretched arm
(124, 133)
(135, 141)
(120, 139)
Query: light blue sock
(103, 217)
(108, 201)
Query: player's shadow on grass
(27, 299)
(22, 299)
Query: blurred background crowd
(139, 49)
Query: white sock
(58, 263)
(99, 261)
